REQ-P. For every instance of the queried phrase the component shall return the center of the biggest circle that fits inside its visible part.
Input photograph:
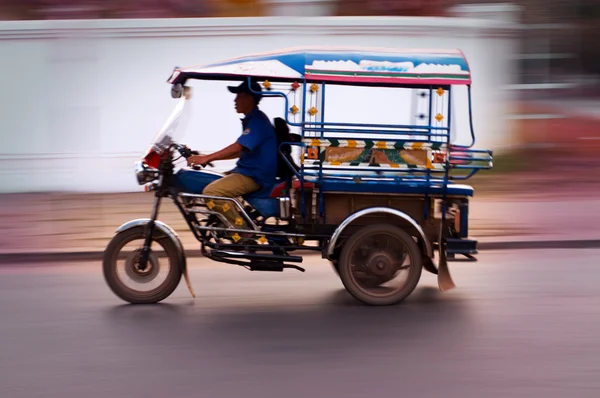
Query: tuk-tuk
(377, 201)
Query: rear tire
(359, 287)
(336, 266)
(114, 282)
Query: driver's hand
(201, 160)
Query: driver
(256, 149)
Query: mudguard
(444, 279)
(372, 210)
(162, 228)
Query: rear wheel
(373, 258)
(336, 266)
(137, 285)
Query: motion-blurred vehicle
(380, 202)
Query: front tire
(117, 284)
(372, 257)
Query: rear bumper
(461, 247)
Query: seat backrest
(282, 131)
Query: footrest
(253, 256)
(271, 266)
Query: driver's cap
(244, 88)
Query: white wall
(81, 100)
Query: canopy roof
(350, 65)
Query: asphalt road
(519, 324)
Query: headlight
(143, 173)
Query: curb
(49, 257)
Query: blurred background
(83, 92)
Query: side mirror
(177, 90)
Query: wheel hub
(136, 272)
(380, 264)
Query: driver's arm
(250, 139)
(231, 152)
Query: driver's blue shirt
(259, 157)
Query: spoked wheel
(373, 258)
(136, 284)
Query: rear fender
(426, 244)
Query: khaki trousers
(231, 186)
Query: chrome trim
(245, 231)
(230, 253)
(143, 173)
(284, 208)
(371, 210)
(212, 213)
(235, 202)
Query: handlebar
(187, 152)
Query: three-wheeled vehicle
(379, 202)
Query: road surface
(519, 324)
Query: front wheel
(373, 257)
(134, 284)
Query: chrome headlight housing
(143, 173)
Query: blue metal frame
(399, 176)
(321, 201)
(427, 197)
(302, 206)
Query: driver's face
(243, 103)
